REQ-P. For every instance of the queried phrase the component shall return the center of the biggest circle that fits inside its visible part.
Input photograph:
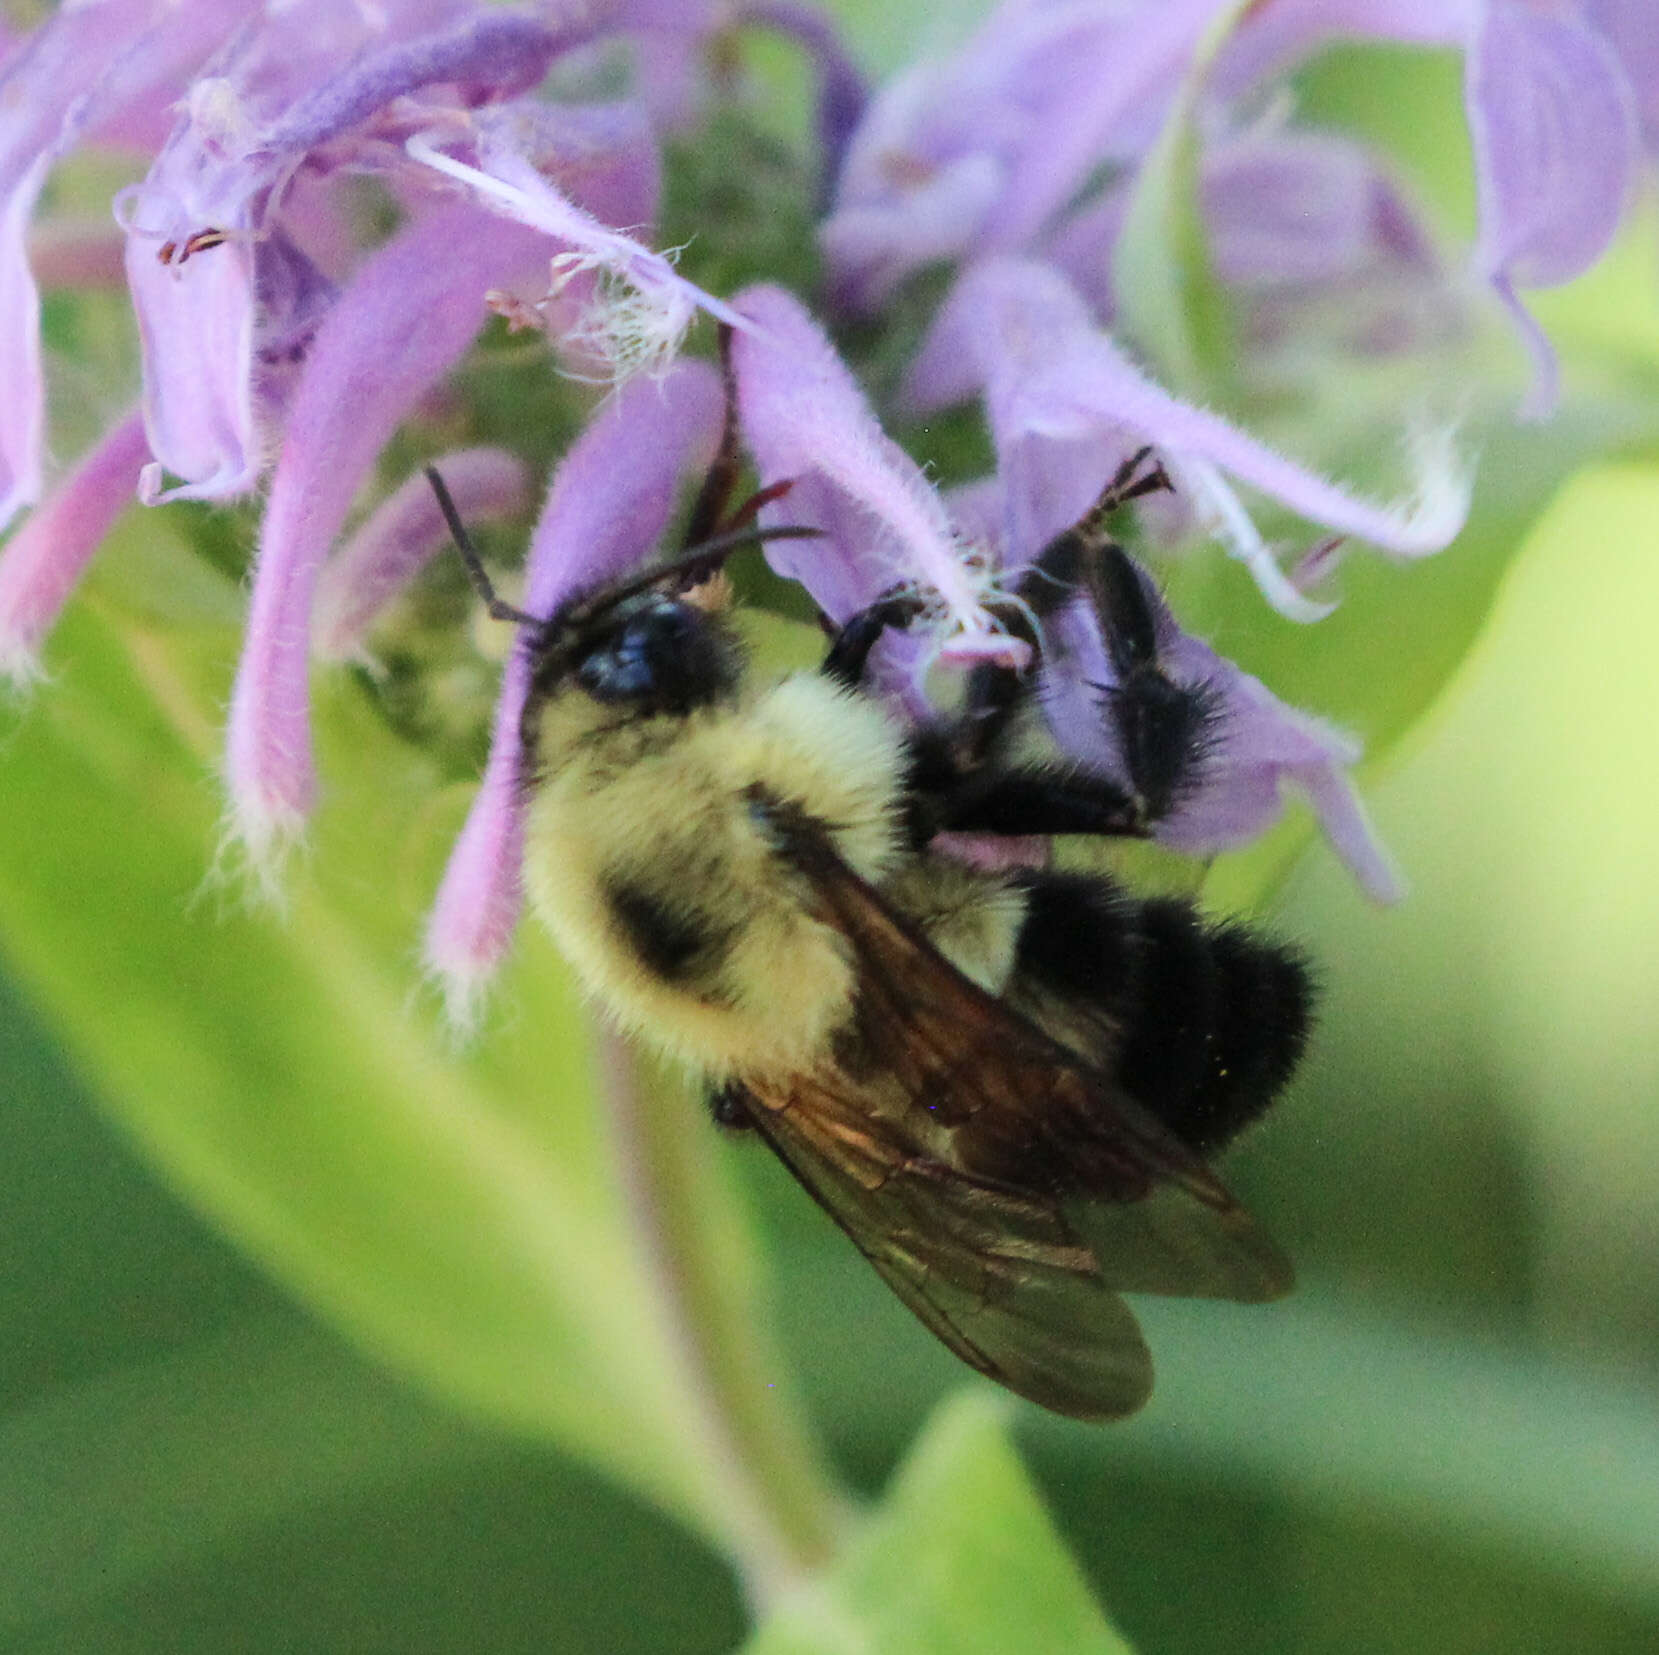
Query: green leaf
(960, 1559)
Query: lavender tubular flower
(90, 68)
(46, 557)
(371, 360)
(254, 350)
(967, 157)
(1054, 380)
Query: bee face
(657, 652)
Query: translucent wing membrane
(1005, 1189)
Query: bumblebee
(1004, 1087)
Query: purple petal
(1303, 207)
(195, 323)
(609, 501)
(23, 410)
(805, 419)
(403, 322)
(1554, 128)
(983, 150)
(45, 558)
(82, 67)
(1555, 131)
(402, 536)
(1093, 107)
(1276, 37)
(485, 55)
(1063, 400)
(201, 239)
(638, 326)
(1627, 26)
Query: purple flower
(274, 342)
(1554, 121)
(1052, 110)
(880, 524)
(1259, 748)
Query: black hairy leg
(1202, 1024)
(851, 643)
(1164, 729)
(959, 779)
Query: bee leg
(731, 1106)
(1164, 729)
(1028, 800)
(850, 645)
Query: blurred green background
(1447, 1441)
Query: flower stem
(769, 1487)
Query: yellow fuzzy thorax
(662, 805)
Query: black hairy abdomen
(677, 944)
(1210, 1020)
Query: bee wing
(1005, 1188)
(999, 1276)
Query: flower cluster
(519, 154)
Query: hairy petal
(83, 67)
(1063, 402)
(1290, 216)
(212, 275)
(1555, 130)
(402, 536)
(45, 558)
(639, 325)
(805, 420)
(608, 504)
(402, 322)
(485, 55)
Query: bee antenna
(499, 608)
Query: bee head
(658, 651)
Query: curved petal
(1258, 748)
(401, 323)
(1062, 399)
(805, 419)
(1555, 130)
(43, 560)
(84, 66)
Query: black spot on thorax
(675, 943)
